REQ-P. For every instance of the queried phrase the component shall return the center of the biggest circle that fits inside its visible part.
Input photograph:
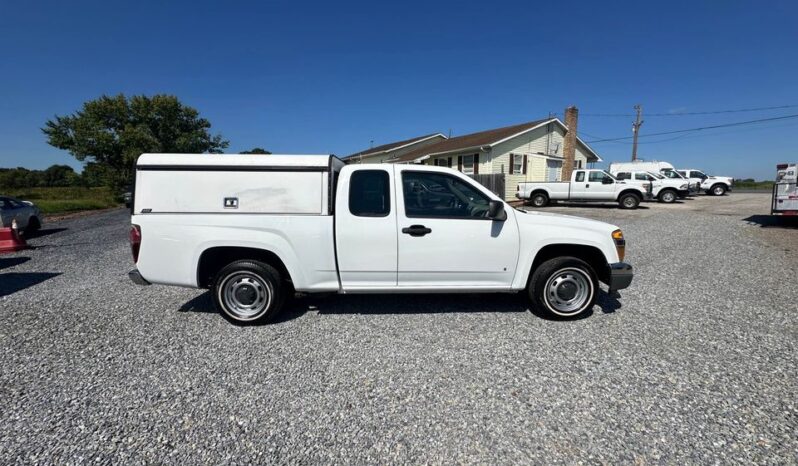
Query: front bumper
(683, 192)
(621, 275)
(136, 278)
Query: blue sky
(330, 77)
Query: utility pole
(636, 129)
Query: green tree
(256, 150)
(60, 176)
(114, 131)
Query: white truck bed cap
(288, 161)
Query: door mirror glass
(496, 211)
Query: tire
(539, 200)
(668, 196)
(717, 190)
(629, 201)
(248, 291)
(34, 224)
(561, 278)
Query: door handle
(416, 230)
(587, 186)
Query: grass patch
(62, 200)
(763, 185)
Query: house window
(441, 163)
(578, 164)
(468, 164)
(518, 163)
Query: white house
(533, 151)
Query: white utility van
(256, 228)
(785, 190)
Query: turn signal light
(620, 243)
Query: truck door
(365, 228)
(580, 188)
(597, 188)
(445, 239)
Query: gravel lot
(696, 363)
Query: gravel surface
(695, 363)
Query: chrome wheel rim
(245, 296)
(718, 190)
(629, 202)
(668, 197)
(568, 291)
(538, 201)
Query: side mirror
(607, 180)
(496, 211)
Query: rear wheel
(629, 201)
(248, 291)
(667, 196)
(563, 287)
(34, 224)
(540, 199)
(718, 190)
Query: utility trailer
(785, 190)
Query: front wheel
(718, 190)
(563, 287)
(248, 291)
(667, 196)
(34, 224)
(540, 199)
(629, 201)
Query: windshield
(671, 174)
(659, 177)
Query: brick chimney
(569, 144)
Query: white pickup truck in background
(663, 168)
(256, 228)
(714, 185)
(585, 186)
(664, 189)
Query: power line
(726, 125)
(711, 112)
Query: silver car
(25, 213)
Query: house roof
(482, 139)
(394, 145)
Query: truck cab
(254, 230)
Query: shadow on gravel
(44, 232)
(6, 262)
(11, 282)
(584, 205)
(773, 221)
(378, 304)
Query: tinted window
(623, 176)
(369, 193)
(596, 177)
(642, 177)
(439, 195)
(580, 176)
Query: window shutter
(476, 164)
(512, 156)
(449, 161)
(523, 167)
(459, 163)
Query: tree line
(109, 133)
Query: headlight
(620, 243)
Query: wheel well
(212, 260)
(673, 190)
(630, 191)
(589, 254)
(539, 191)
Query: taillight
(135, 241)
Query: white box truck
(256, 228)
(785, 190)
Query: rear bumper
(621, 275)
(136, 278)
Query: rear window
(369, 193)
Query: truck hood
(536, 219)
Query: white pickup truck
(663, 189)
(254, 229)
(585, 186)
(713, 185)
